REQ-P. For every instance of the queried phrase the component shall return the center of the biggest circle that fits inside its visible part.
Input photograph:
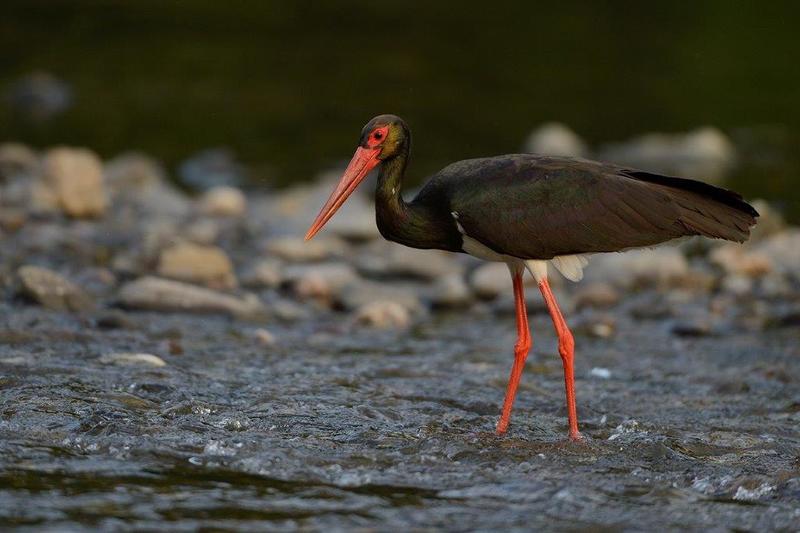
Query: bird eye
(377, 135)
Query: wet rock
(596, 294)
(693, 327)
(288, 310)
(597, 326)
(662, 266)
(705, 153)
(211, 168)
(554, 138)
(114, 319)
(207, 265)
(17, 160)
(52, 290)
(75, 176)
(599, 372)
(360, 293)
(385, 259)
(139, 359)
(295, 249)
(223, 201)
(383, 314)
(156, 294)
(323, 281)
(265, 273)
(450, 291)
(265, 337)
(783, 317)
(40, 96)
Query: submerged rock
(207, 265)
(52, 290)
(75, 176)
(156, 294)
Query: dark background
(288, 85)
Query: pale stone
(208, 265)
(76, 177)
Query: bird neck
(410, 224)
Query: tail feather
(704, 209)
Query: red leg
(566, 348)
(521, 349)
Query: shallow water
(336, 427)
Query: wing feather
(536, 207)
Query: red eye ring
(377, 136)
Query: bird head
(384, 137)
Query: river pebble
(383, 314)
(223, 201)
(207, 265)
(156, 294)
(143, 359)
(75, 175)
(51, 290)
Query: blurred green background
(288, 84)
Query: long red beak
(364, 160)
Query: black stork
(530, 210)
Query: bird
(531, 212)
